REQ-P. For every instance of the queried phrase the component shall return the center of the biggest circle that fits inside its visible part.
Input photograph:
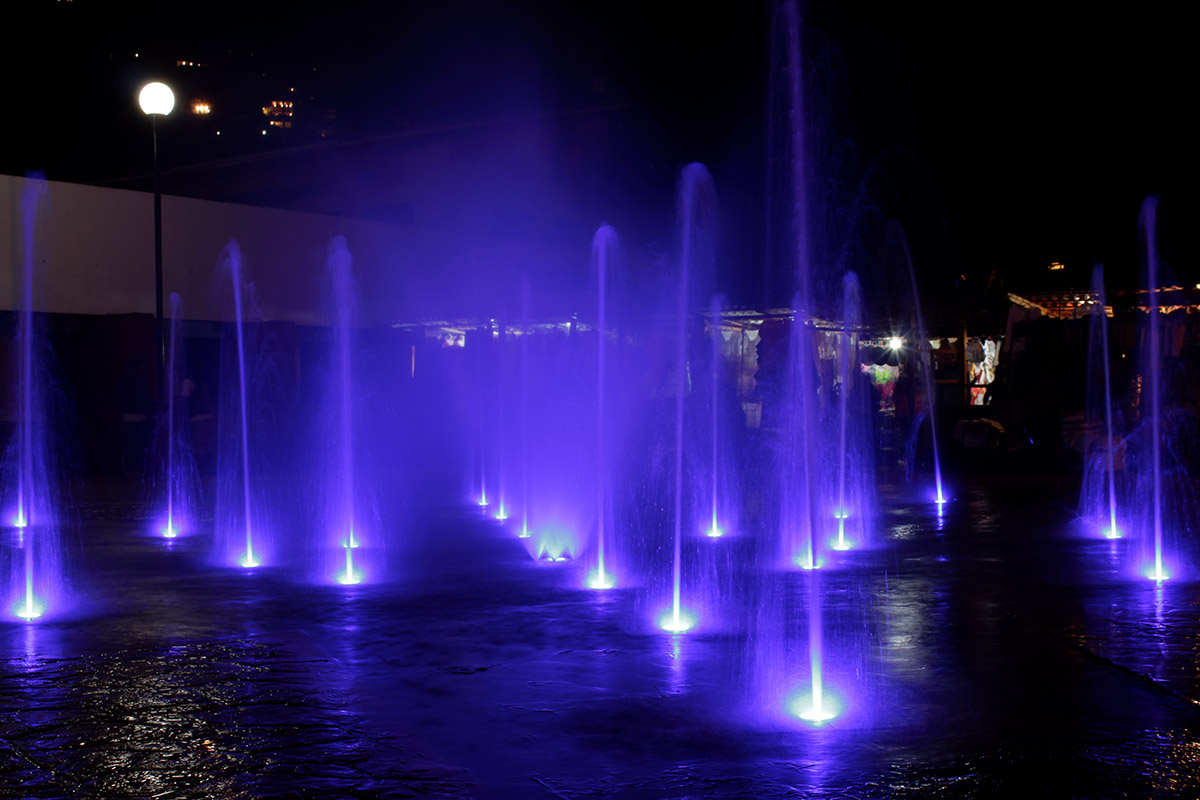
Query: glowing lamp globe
(156, 98)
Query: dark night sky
(1003, 136)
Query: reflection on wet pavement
(988, 655)
(232, 718)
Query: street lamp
(157, 100)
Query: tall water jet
(1101, 492)
(604, 244)
(799, 477)
(169, 530)
(33, 587)
(852, 496)
(926, 364)
(345, 533)
(1147, 224)
(481, 416)
(177, 467)
(501, 426)
(524, 425)
(695, 188)
(238, 542)
(714, 530)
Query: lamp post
(157, 100)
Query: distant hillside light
(156, 98)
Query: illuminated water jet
(36, 563)
(926, 362)
(603, 244)
(695, 191)
(1147, 221)
(235, 535)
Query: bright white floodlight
(156, 98)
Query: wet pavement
(991, 653)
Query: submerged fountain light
(524, 534)
(714, 532)
(676, 620)
(600, 580)
(841, 543)
(29, 609)
(19, 521)
(814, 710)
(805, 562)
(1157, 573)
(169, 531)
(1112, 532)
(502, 514)
(249, 561)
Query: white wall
(93, 253)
